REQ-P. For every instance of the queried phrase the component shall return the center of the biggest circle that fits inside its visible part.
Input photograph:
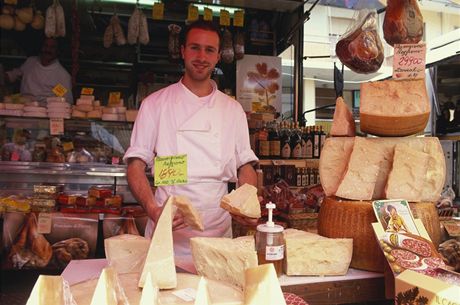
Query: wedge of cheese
(343, 124)
(126, 253)
(160, 257)
(312, 254)
(191, 215)
(407, 177)
(362, 172)
(224, 259)
(262, 286)
(108, 289)
(335, 161)
(49, 289)
(202, 293)
(243, 201)
(394, 107)
(150, 292)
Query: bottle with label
(322, 139)
(285, 142)
(298, 176)
(296, 142)
(309, 143)
(275, 143)
(304, 177)
(270, 242)
(264, 144)
(316, 142)
(312, 177)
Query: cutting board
(221, 293)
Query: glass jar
(270, 246)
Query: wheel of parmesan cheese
(352, 219)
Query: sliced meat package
(403, 22)
(360, 48)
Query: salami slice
(417, 246)
(409, 264)
(400, 254)
(434, 262)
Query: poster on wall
(258, 83)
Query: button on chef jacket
(213, 132)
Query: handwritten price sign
(170, 170)
(409, 61)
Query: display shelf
(297, 162)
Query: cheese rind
(126, 253)
(160, 257)
(312, 254)
(49, 289)
(191, 216)
(262, 286)
(243, 201)
(224, 259)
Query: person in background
(40, 74)
(192, 117)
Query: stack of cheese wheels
(354, 171)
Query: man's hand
(178, 221)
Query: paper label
(44, 223)
(87, 91)
(170, 170)
(56, 126)
(192, 13)
(274, 253)
(158, 11)
(114, 98)
(187, 294)
(224, 18)
(207, 14)
(409, 61)
(59, 90)
(67, 146)
(238, 18)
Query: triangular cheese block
(262, 286)
(160, 258)
(108, 290)
(191, 215)
(126, 253)
(202, 293)
(343, 124)
(150, 292)
(243, 201)
(48, 289)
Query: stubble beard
(191, 72)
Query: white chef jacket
(213, 132)
(38, 80)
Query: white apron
(200, 137)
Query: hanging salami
(403, 22)
(173, 42)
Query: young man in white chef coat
(194, 118)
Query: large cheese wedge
(126, 253)
(333, 162)
(360, 179)
(191, 216)
(224, 259)
(150, 292)
(202, 293)
(407, 177)
(343, 124)
(312, 254)
(243, 201)
(262, 286)
(394, 107)
(160, 257)
(108, 289)
(49, 289)
(335, 158)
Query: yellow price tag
(87, 91)
(56, 126)
(224, 18)
(67, 146)
(59, 90)
(207, 14)
(114, 98)
(170, 170)
(11, 2)
(238, 18)
(158, 11)
(192, 13)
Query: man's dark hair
(203, 25)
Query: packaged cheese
(126, 253)
(312, 254)
(243, 201)
(394, 107)
(263, 286)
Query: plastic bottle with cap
(270, 242)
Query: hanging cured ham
(403, 22)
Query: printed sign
(207, 14)
(170, 170)
(59, 90)
(192, 13)
(395, 216)
(409, 61)
(158, 11)
(44, 223)
(56, 126)
(224, 18)
(87, 91)
(114, 98)
(238, 18)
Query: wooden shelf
(297, 162)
